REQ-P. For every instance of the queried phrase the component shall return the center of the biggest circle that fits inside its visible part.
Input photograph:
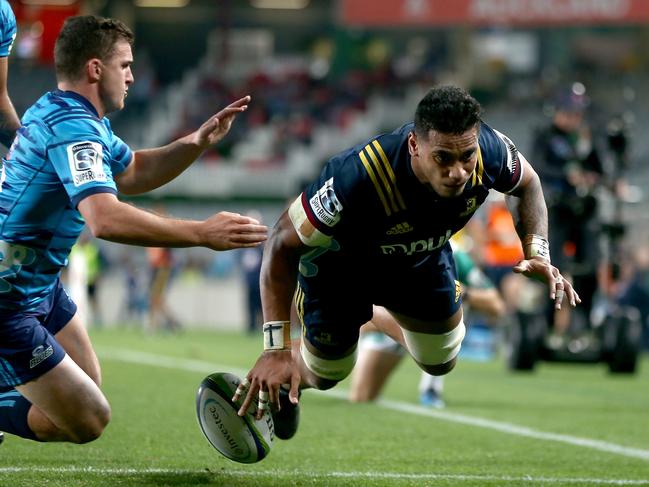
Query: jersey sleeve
(502, 162)
(318, 212)
(83, 160)
(7, 30)
(121, 153)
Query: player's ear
(413, 148)
(93, 69)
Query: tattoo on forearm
(529, 211)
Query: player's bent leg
(434, 346)
(74, 339)
(66, 405)
(370, 374)
(378, 355)
(324, 372)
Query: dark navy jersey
(372, 209)
(62, 153)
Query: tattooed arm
(530, 215)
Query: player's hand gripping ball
(242, 439)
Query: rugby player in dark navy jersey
(374, 229)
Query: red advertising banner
(395, 13)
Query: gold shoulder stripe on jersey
(480, 167)
(377, 185)
(386, 184)
(390, 173)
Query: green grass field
(562, 425)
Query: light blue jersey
(7, 28)
(62, 154)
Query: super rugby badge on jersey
(242, 439)
(86, 162)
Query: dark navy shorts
(28, 348)
(335, 303)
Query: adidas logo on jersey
(400, 228)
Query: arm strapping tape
(309, 235)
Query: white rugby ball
(243, 439)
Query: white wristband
(277, 335)
(536, 246)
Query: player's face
(444, 162)
(116, 76)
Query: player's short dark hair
(86, 37)
(447, 109)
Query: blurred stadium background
(325, 74)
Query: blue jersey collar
(80, 98)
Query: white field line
(503, 427)
(293, 474)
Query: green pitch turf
(562, 425)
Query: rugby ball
(243, 439)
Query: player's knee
(325, 372)
(91, 424)
(435, 353)
(439, 369)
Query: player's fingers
(293, 394)
(253, 228)
(274, 398)
(262, 403)
(242, 388)
(571, 294)
(558, 299)
(230, 112)
(240, 102)
(247, 402)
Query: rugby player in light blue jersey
(374, 229)
(9, 120)
(64, 169)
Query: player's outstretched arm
(531, 218)
(9, 120)
(276, 366)
(152, 168)
(110, 219)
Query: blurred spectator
(161, 267)
(136, 299)
(570, 167)
(96, 263)
(251, 268)
(86, 263)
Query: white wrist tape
(429, 349)
(277, 335)
(536, 246)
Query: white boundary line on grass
(509, 428)
(292, 474)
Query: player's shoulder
(67, 114)
(376, 153)
(492, 142)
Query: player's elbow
(99, 228)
